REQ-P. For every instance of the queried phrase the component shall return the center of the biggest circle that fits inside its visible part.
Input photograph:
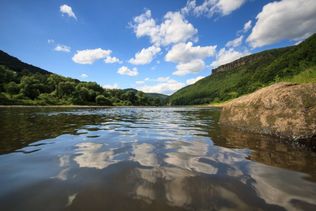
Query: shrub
(101, 100)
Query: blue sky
(154, 46)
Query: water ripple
(148, 158)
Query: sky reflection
(142, 164)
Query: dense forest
(295, 64)
(24, 84)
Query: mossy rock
(285, 110)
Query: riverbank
(96, 106)
(74, 106)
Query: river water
(146, 159)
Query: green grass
(307, 76)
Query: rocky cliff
(284, 110)
(237, 63)
(250, 59)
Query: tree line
(25, 88)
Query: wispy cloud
(62, 48)
(210, 8)
(247, 26)
(66, 9)
(235, 42)
(83, 75)
(50, 41)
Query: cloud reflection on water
(143, 154)
(91, 156)
(185, 160)
(164, 158)
(275, 189)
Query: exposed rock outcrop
(284, 110)
(250, 59)
(237, 63)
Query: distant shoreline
(96, 106)
(67, 106)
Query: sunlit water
(146, 159)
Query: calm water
(146, 159)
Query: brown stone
(285, 110)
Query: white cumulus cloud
(126, 71)
(176, 29)
(111, 60)
(228, 6)
(225, 56)
(65, 9)
(235, 43)
(282, 20)
(173, 29)
(62, 48)
(189, 67)
(145, 56)
(194, 80)
(164, 85)
(185, 52)
(189, 58)
(89, 56)
(212, 7)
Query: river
(146, 159)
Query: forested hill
(159, 96)
(25, 84)
(15, 64)
(296, 63)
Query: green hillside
(296, 64)
(157, 95)
(160, 99)
(25, 84)
(16, 65)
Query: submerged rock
(285, 110)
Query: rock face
(284, 110)
(239, 62)
(251, 59)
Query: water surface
(146, 159)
